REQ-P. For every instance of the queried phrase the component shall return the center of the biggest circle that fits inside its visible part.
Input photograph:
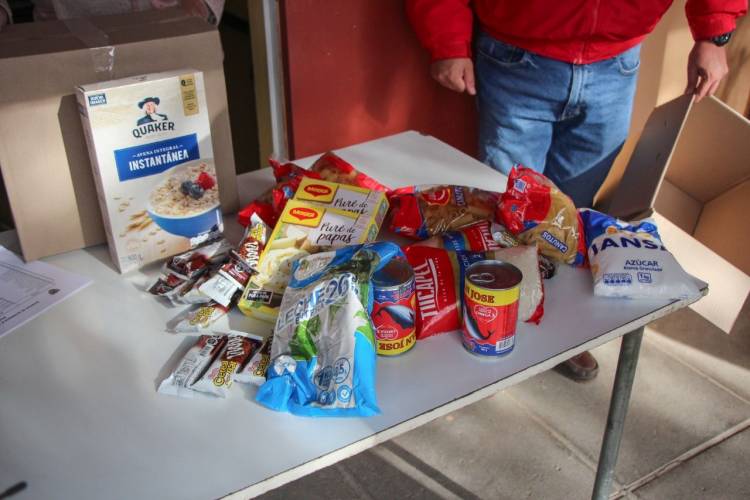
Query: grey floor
(687, 435)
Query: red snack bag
(422, 211)
(476, 237)
(439, 277)
(536, 211)
(333, 168)
(262, 209)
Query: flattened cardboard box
(691, 171)
(43, 154)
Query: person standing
(555, 80)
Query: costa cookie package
(149, 140)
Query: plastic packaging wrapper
(629, 260)
(254, 371)
(218, 378)
(439, 276)
(198, 319)
(323, 356)
(243, 262)
(333, 168)
(192, 366)
(420, 212)
(183, 274)
(536, 211)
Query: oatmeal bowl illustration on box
(186, 203)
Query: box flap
(643, 175)
(27, 39)
(723, 226)
(713, 151)
(728, 287)
(678, 206)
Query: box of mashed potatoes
(151, 153)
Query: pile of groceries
(311, 265)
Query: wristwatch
(721, 40)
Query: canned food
(491, 293)
(393, 311)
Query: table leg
(618, 408)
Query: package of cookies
(149, 140)
(420, 212)
(303, 229)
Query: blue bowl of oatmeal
(185, 214)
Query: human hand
(707, 65)
(455, 74)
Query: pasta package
(536, 211)
(149, 140)
(420, 212)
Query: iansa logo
(302, 213)
(151, 121)
(318, 190)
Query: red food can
(394, 308)
(491, 292)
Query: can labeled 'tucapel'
(491, 293)
(394, 306)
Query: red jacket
(576, 31)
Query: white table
(80, 417)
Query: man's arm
(6, 16)
(707, 63)
(444, 28)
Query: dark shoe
(580, 368)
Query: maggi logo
(303, 213)
(318, 190)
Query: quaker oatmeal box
(149, 141)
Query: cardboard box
(43, 155)
(149, 141)
(691, 170)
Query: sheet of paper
(29, 289)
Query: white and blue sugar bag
(630, 260)
(323, 354)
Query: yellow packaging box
(344, 197)
(304, 228)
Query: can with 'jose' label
(394, 306)
(491, 293)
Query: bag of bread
(536, 211)
(420, 212)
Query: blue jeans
(568, 121)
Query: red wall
(355, 71)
